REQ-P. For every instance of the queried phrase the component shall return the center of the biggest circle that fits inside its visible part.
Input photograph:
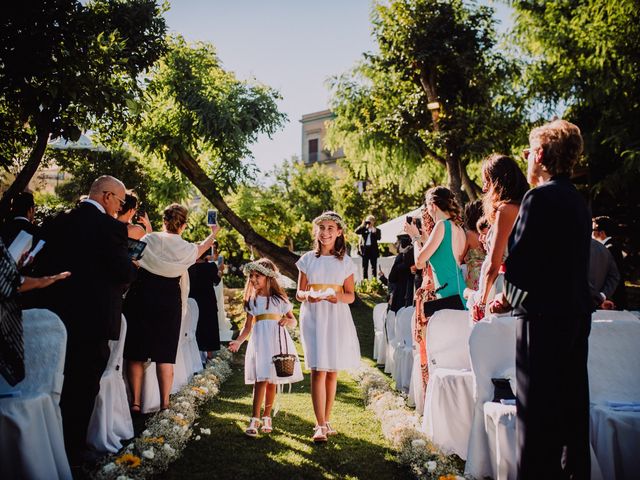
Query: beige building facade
(314, 150)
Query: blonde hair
(562, 145)
(274, 289)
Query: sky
(294, 46)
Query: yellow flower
(199, 390)
(159, 440)
(447, 477)
(128, 460)
(180, 421)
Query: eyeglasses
(122, 202)
(525, 153)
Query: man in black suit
(546, 283)
(604, 276)
(23, 210)
(603, 228)
(368, 245)
(89, 242)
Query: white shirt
(371, 231)
(95, 204)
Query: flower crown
(331, 216)
(258, 267)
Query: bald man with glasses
(92, 244)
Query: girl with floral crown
(268, 312)
(329, 339)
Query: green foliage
(371, 286)
(191, 104)
(48, 206)
(583, 60)
(66, 66)
(429, 51)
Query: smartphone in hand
(212, 217)
(409, 219)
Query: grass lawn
(359, 451)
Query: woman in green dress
(444, 248)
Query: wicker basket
(284, 362)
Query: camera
(367, 223)
(416, 221)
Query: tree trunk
(282, 257)
(455, 182)
(471, 187)
(26, 174)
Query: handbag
(449, 303)
(284, 362)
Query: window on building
(313, 150)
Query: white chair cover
(492, 347)
(192, 353)
(111, 422)
(614, 357)
(416, 395)
(183, 368)
(403, 360)
(224, 325)
(31, 438)
(613, 315)
(390, 330)
(448, 405)
(150, 395)
(379, 312)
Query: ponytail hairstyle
(444, 199)
(506, 184)
(340, 247)
(266, 268)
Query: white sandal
(319, 434)
(266, 425)
(330, 429)
(252, 429)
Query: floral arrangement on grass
(401, 426)
(167, 432)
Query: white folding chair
(403, 360)
(614, 357)
(448, 404)
(379, 312)
(492, 347)
(390, 331)
(111, 422)
(31, 438)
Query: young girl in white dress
(329, 339)
(268, 313)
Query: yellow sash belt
(318, 287)
(268, 316)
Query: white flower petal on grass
(205, 431)
(431, 466)
(149, 453)
(169, 449)
(109, 467)
(197, 437)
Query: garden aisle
(359, 451)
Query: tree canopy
(201, 120)
(66, 67)
(583, 60)
(438, 94)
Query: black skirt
(153, 309)
(203, 276)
